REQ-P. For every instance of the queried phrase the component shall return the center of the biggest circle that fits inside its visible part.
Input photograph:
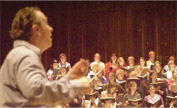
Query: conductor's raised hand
(80, 69)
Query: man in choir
(23, 79)
(97, 60)
(131, 62)
(63, 62)
(151, 60)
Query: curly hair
(22, 23)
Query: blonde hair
(133, 74)
(119, 72)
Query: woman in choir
(172, 96)
(132, 97)
(110, 91)
(122, 87)
(142, 62)
(50, 71)
(153, 98)
(112, 65)
(101, 77)
(166, 67)
(138, 69)
(172, 80)
(112, 79)
(158, 69)
(133, 74)
(172, 67)
(160, 89)
(161, 77)
(120, 76)
(121, 62)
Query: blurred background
(82, 29)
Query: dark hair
(22, 23)
(150, 86)
(109, 86)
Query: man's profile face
(45, 30)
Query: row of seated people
(115, 64)
(150, 84)
(119, 90)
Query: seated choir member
(172, 96)
(97, 60)
(166, 67)
(142, 62)
(61, 73)
(151, 60)
(172, 80)
(101, 77)
(153, 97)
(160, 89)
(63, 62)
(138, 70)
(112, 65)
(158, 69)
(121, 62)
(122, 87)
(120, 76)
(94, 69)
(132, 94)
(171, 70)
(112, 78)
(52, 67)
(110, 91)
(133, 74)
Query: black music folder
(121, 86)
(154, 104)
(135, 100)
(103, 100)
(137, 80)
(88, 96)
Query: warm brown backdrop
(84, 28)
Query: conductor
(23, 80)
